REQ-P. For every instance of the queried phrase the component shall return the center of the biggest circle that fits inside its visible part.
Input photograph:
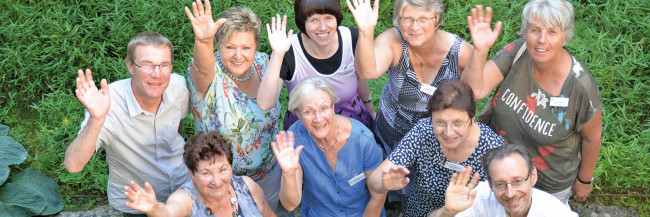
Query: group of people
(335, 155)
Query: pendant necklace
(421, 64)
(335, 141)
(250, 73)
(233, 202)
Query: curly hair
(206, 146)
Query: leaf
(33, 191)
(4, 172)
(4, 130)
(11, 152)
(10, 210)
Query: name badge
(428, 89)
(453, 166)
(559, 102)
(357, 178)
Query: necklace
(335, 141)
(250, 73)
(233, 202)
(414, 54)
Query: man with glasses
(138, 121)
(508, 192)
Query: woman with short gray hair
(546, 99)
(334, 156)
(417, 56)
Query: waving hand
(202, 23)
(97, 102)
(287, 156)
(394, 178)
(483, 37)
(278, 38)
(365, 15)
(142, 199)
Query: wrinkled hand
(457, 195)
(97, 102)
(581, 191)
(483, 37)
(287, 156)
(365, 16)
(394, 178)
(202, 23)
(143, 200)
(278, 38)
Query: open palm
(365, 15)
(278, 38)
(457, 195)
(142, 199)
(97, 102)
(394, 178)
(202, 23)
(288, 157)
(483, 36)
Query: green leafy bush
(30, 192)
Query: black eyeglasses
(502, 186)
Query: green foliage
(30, 192)
(45, 42)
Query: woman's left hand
(143, 200)
(581, 191)
(483, 37)
(202, 23)
(278, 38)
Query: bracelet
(367, 101)
(583, 182)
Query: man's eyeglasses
(456, 125)
(165, 67)
(502, 186)
(422, 21)
(312, 113)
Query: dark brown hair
(502, 152)
(206, 146)
(454, 94)
(303, 9)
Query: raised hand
(483, 36)
(394, 178)
(143, 200)
(457, 195)
(365, 15)
(202, 23)
(97, 102)
(287, 156)
(278, 38)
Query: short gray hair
(434, 6)
(551, 13)
(306, 88)
(240, 19)
(147, 38)
(502, 152)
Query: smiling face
(212, 178)
(238, 53)
(416, 34)
(516, 201)
(448, 136)
(148, 86)
(318, 124)
(545, 45)
(321, 29)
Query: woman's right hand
(285, 153)
(365, 15)
(278, 39)
(483, 37)
(202, 23)
(394, 178)
(143, 200)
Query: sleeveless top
(402, 103)
(246, 206)
(239, 119)
(343, 81)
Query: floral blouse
(237, 117)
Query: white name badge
(428, 89)
(453, 166)
(357, 178)
(559, 102)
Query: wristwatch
(587, 182)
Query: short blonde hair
(306, 88)
(434, 6)
(240, 19)
(147, 38)
(551, 13)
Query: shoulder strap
(521, 51)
